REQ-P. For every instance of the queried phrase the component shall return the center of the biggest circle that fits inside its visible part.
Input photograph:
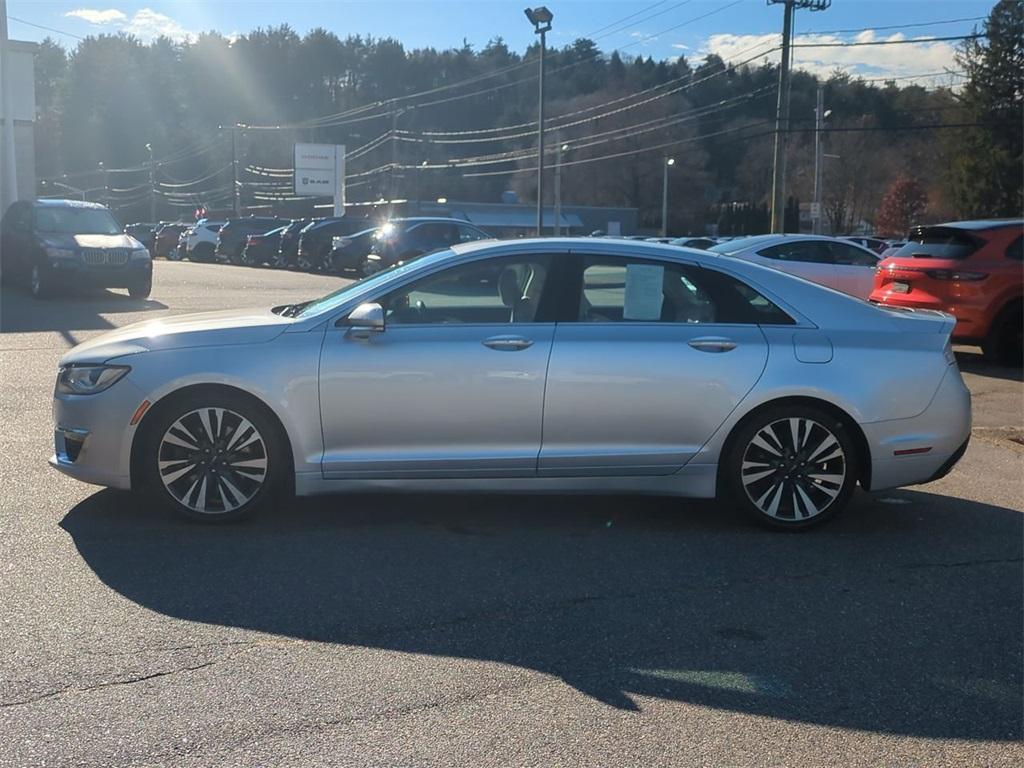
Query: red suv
(970, 269)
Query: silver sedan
(555, 365)
(830, 261)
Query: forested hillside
(462, 123)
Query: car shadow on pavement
(886, 620)
(975, 362)
(80, 310)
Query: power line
(914, 41)
(891, 26)
(45, 28)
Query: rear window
(939, 243)
(1015, 250)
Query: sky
(734, 29)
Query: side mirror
(365, 319)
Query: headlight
(140, 254)
(59, 253)
(88, 379)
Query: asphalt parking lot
(495, 631)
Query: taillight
(954, 275)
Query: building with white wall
(21, 81)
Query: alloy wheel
(212, 460)
(793, 469)
(37, 281)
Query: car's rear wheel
(1005, 342)
(41, 282)
(791, 467)
(213, 457)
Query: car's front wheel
(791, 467)
(141, 289)
(213, 457)
(41, 282)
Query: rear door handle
(507, 343)
(712, 344)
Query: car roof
(422, 219)
(67, 204)
(980, 224)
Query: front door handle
(712, 344)
(507, 343)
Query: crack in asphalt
(126, 681)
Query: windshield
(367, 284)
(76, 221)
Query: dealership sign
(320, 172)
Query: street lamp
(669, 162)
(541, 18)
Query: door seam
(544, 402)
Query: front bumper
(93, 435)
(943, 428)
(71, 272)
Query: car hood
(119, 240)
(206, 329)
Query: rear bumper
(926, 447)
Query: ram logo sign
(320, 172)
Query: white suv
(202, 239)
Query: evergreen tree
(985, 176)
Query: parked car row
(341, 245)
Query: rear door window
(809, 251)
(848, 255)
(616, 289)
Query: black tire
(238, 256)
(40, 282)
(141, 289)
(782, 483)
(202, 253)
(1005, 342)
(212, 487)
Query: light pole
(106, 182)
(669, 162)
(820, 115)
(8, 154)
(541, 18)
(558, 187)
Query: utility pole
(236, 193)
(152, 184)
(778, 208)
(669, 162)
(541, 18)
(8, 157)
(819, 123)
(558, 188)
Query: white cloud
(96, 16)
(905, 60)
(149, 24)
(145, 24)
